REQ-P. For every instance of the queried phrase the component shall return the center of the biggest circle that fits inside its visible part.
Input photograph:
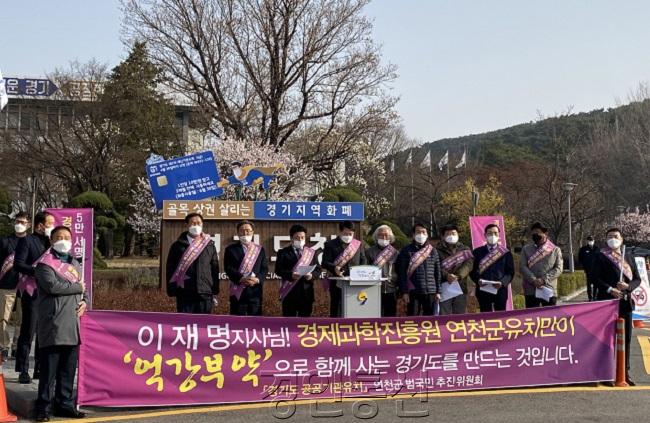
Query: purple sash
(387, 254)
(416, 260)
(542, 252)
(245, 268)
(7, 265)
(460, 257)
(491, 258)
(616, 259)
(305, 260)
(343, 259)
(65, 270)
(189, 256)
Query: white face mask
(346, 238)
(20, 228)
(614, 243)
(245, 239)
(383, 242)
(63, 246)
(196, 230)
(492, 239)
(421, 238)
(48, 231)
(298, 244)
(451, 239)
(590, 243)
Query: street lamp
(568, 187)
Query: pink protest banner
(477, 226)
(132, 359)
(80, 222)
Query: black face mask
(537, 238)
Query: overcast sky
(464, 66)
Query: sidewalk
(20, 397)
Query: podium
(361, 292)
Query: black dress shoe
(69, 412)
(630, 382)
(24, 378)
(42, 417)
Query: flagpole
(447, 170)
(412, 203)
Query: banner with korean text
(80, 222)
(157, 359)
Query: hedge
(570, 282)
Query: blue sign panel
(287, 210)
(30, 87)
(192, 177)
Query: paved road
(547, 405)
(569, 404)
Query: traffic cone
(5, 415)
(620, 354)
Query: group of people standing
(420, 275)
(39, 269)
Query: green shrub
(341, 193)
(570, 282)
(519, 302)
(98, 260)
(92, 199)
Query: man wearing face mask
(616, 277)
(420, 275)
(587, 257)
(246, 267)
(384, 255)
(457, 262)
(297, 289)
(540, 266)
(338, 255)
(62, 301)
(193, 269)
(493, 265)
(9, 278)
(28, 251)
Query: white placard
(365, 273)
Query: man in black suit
(616, 277)
(338, 255)
(193, 280)
(9, 279)
(587, 257)
(492, 263)
(297, 292)
(246, 267)
(28, 250)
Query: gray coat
(57, 322)
(388, 271)
(549, 269)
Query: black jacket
(332, 249)
(28, 250)
(426, 278)
(203, 273)
(232, 257)
(8, 247)
(587, 258)
(607, 275)
(503, 270)
(284, 265)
